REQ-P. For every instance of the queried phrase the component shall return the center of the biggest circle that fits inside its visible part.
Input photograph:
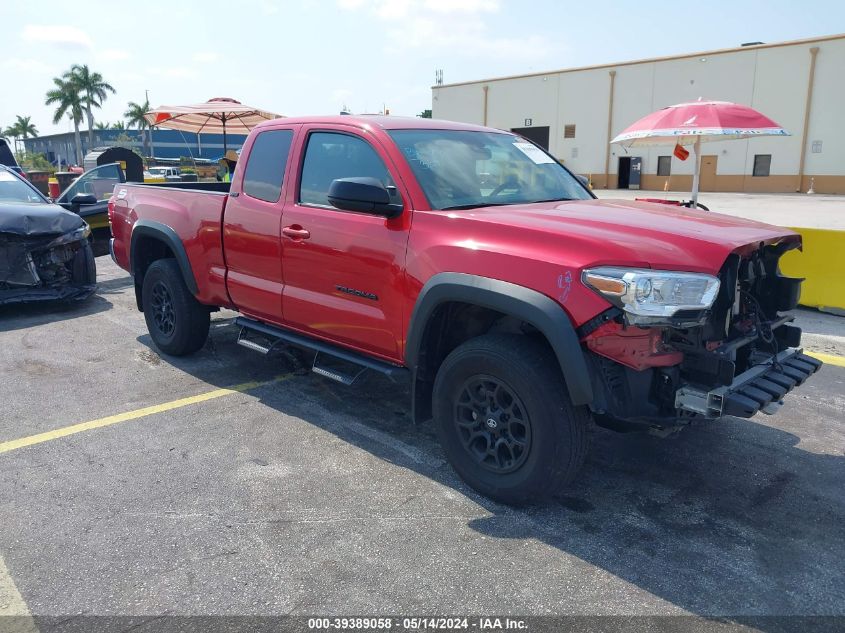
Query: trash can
(65, 178)
(39, 178)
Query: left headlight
(77, 235)
(655, 297)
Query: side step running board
(279, 335)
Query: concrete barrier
(822, 264)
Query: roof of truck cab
(368, 121)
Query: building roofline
(718, 51)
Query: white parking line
(15, 615)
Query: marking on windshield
(534, 153)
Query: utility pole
(147, 101)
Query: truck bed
(211, 187)
(193, 211)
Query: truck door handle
(296, 232)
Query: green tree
(68, 101)
(118, 125)
(135, 118)
(22, 128)
(425, 114)
(34, 161)
(93, 90)
(102, 125)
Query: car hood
(32, 220)
(635, 233)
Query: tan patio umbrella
(216, 116)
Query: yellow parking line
(13, 610)
(829, 359)
(99, 423)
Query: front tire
(176, 321)
(503, 416)
(83, 267)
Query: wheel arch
(151, 241)
(511, 301)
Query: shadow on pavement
(727, 519)
(26, 315)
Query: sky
(315, 57)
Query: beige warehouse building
(575, 112)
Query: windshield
(465, 169)
(13, 189)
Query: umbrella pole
(696, 175)
(224, 135)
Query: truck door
(344, 270)
(251, 224)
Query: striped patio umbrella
(216, 116)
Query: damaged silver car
(45, 253)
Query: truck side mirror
(363, 194)
(82, 199)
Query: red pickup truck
(469, 262)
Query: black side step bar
(394, 372)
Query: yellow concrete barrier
(822, 264)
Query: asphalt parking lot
(291, 494)
(821, 211)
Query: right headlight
(655, 297)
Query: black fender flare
(165, 234)
(523, 303)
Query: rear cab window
(265, 167)
(333, 155)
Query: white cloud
(206, 57)
(268, 8)
(394, 9)
(114, 54)
(172, 72)
(467, 39)
(399, 9)
(462, 6)
(57, 34)
(27, 65)
(451, 27)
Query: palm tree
(135, 118)
(26, 127)
(68, 101)
(94, 90)
(101, 125)
(21, 128)
(118, 125)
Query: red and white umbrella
(695, 123)
(215, 116)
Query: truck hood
(630, 233)
(36, 219)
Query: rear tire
(503, 416)
(176, 321)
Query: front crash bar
(762, 387)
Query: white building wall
(770, 79)
(828, 111)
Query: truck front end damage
(677, 347)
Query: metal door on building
(540, 134)
(629, 175)
(707, 179)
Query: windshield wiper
(550, 200)
(476, 205)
